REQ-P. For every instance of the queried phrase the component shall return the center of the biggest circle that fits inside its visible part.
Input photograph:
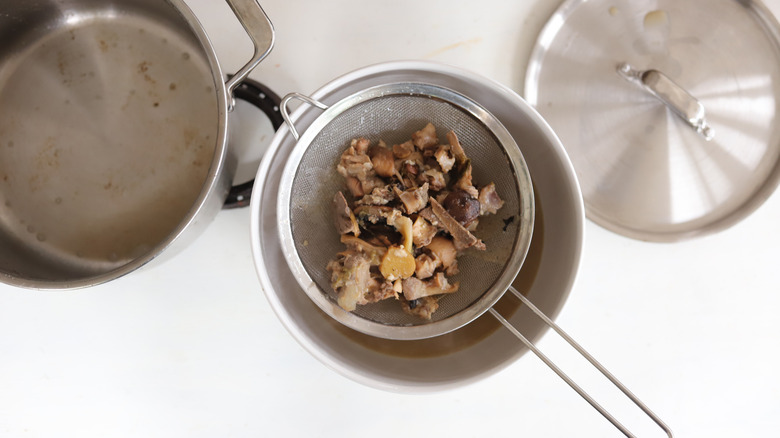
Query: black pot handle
(268, 102)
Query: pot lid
(667, 109)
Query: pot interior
(109, 127)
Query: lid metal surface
(667, 109)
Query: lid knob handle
(687, 107)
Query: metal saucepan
(113, 134)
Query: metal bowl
(479, 349)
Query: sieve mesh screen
(393, 118)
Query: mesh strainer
(392, 113)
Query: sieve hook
(587, 356)
(286, 112)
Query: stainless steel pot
(113, 135)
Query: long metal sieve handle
(283, 108)
(587, 356)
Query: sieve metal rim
(291, 167)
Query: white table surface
(191, 348)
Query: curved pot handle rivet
(260, 30)
(286, 112)
(269, 103)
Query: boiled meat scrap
(408, 212)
